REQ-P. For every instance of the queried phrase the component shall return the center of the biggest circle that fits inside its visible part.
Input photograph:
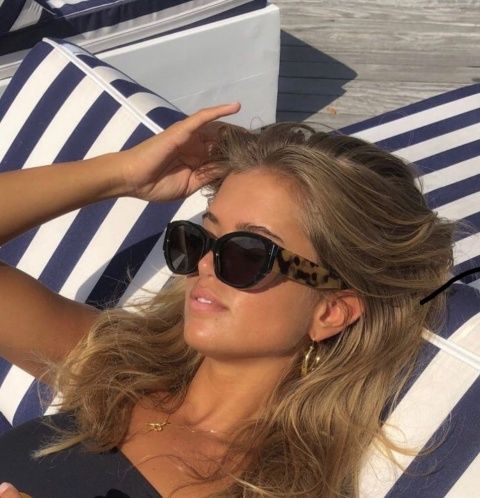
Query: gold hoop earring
(306, 369)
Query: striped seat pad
(64, 104)
(16, 15)
(441, 136)
(100, 25)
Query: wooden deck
(344, 61)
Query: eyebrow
(243, 226)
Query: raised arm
(33, 196)
(36, 321)
(33, 319)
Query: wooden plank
(321, 121)
(378, 72)
(363, 98)
(352, 56)
(342, 62)
(434, 11)
(365, 36)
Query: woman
(236, 379)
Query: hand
(166, 166)
(8, 491)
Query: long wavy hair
(365, 213)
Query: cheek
(280, 314)
(272, 319)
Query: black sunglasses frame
(278, 259)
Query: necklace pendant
(156, 426)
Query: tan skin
(255, 337)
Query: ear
(332, 315)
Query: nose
(206, 264)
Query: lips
(202, 292)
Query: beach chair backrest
(64, 104)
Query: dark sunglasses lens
(242, 260)
(184, 249)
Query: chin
(194, 331)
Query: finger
(210, 131)
(201, 144)
(208, 114)
(195, 137)
(208, 173)
(7, 490)
(191, 131)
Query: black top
(70, 473)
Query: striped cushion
(67, 7)
(442, 398)
(134, 8)
(440, 135)
(100, 25)
(9, 12)
(99, 18)
(17, 14)
(64, 104)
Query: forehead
(258, 197)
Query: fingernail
(5, 486)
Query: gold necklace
(158, 427)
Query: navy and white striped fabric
(441, 135)
(18, 14)
(64, 104)
(67, 7)
(120, 21)
(9, 12)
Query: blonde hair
(370, 224)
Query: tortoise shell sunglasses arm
(302, 270)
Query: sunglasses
(241, 259)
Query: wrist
(109, 171)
